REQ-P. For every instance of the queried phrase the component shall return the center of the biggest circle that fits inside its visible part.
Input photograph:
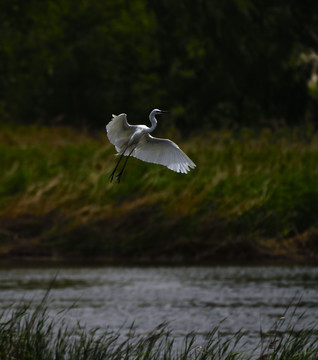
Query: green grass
(253, 194)
(27, 334)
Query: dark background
(210, 63)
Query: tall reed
(28, 335)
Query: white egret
(136, 141)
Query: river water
(190, 299)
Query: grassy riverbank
(253, 195)
(26, 334)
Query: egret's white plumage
(136, 141)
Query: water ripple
(191, 299)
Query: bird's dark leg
(118, 176)
(113, 173)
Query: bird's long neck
(153, 121)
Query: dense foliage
(77, 62)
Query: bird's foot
(118, 176)
(111, 177)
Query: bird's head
(157, 111)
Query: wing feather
(119, 131)
(164, 152)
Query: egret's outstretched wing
(119, 131)
(164, 152)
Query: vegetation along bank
(252, 196)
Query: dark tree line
(207, 61)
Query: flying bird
(135, 140)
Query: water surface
(191, 299)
